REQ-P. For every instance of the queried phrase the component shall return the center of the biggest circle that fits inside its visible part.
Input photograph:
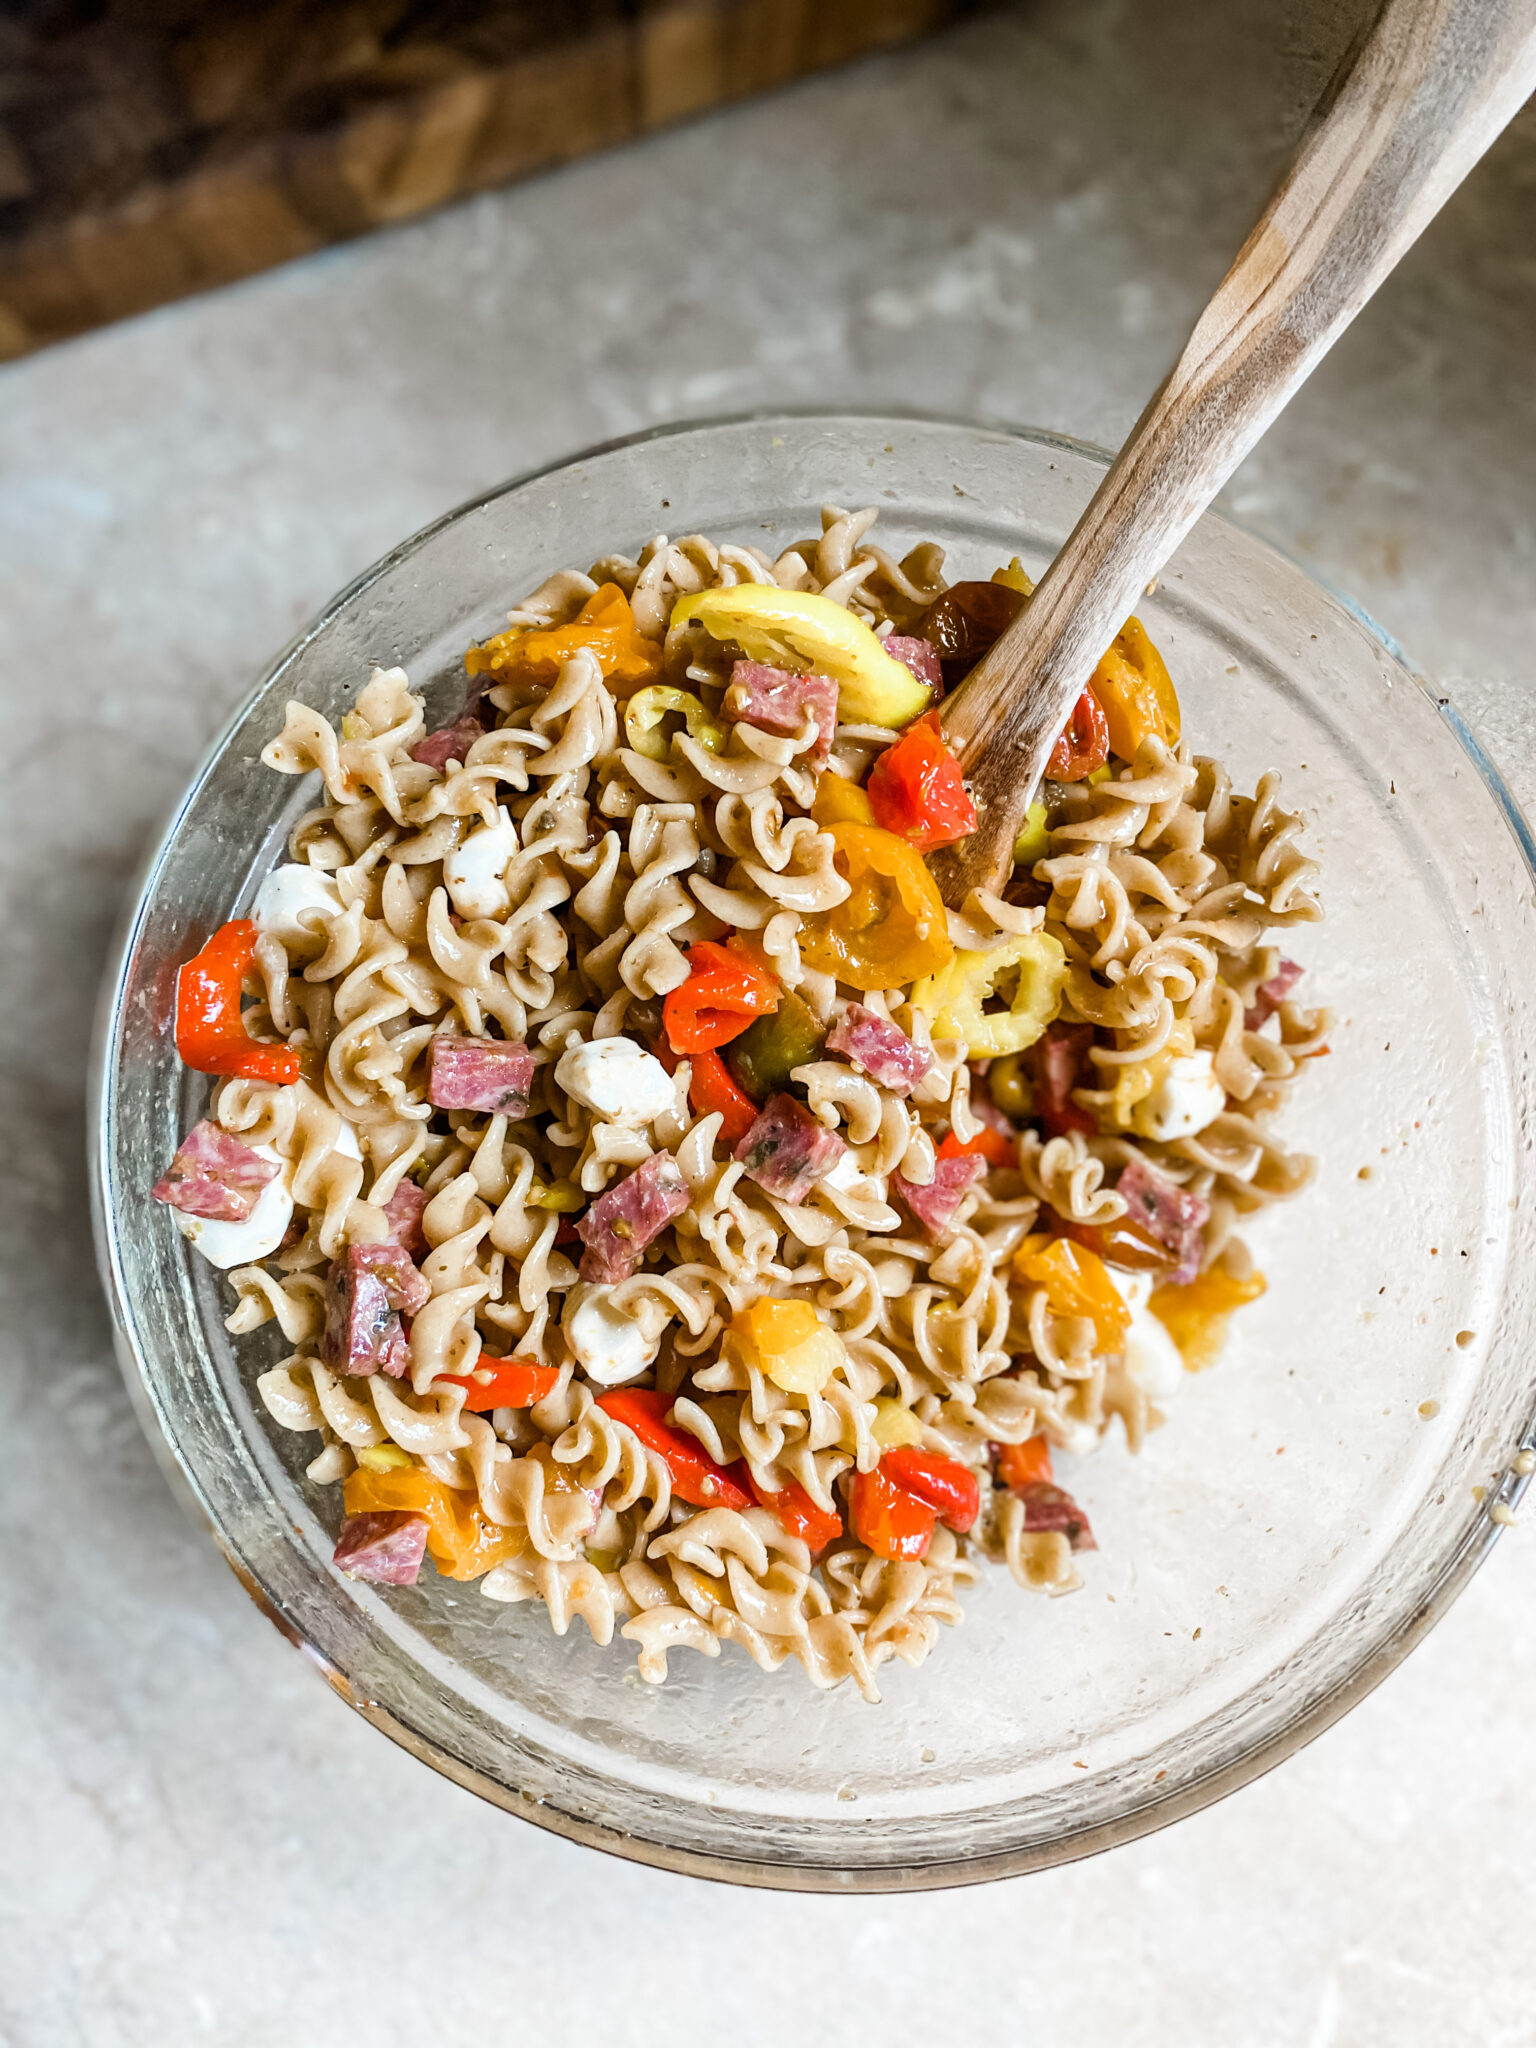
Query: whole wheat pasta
(641, 1246)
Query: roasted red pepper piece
(1026, 1464)
(988, 1144)
(504, 1383)
(1084, 745)
(796, 1512)
(918, 791)
(210, 1031)
(696, 1478)
(890, 1521)
(726, 988)
(943, 1484)
(710, 1087)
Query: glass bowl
(1314, 1503)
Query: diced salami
(786, 1151)
(1174, 1216)
(1062, 1064)
(778, 700)
(623, 1221)
(921, 656)
(214, 1175)
(934, 1206)
(364, 1290)
(387, 1547)
(1047, 1508)
(403, 1211)
(880, 1047)
(451, 742)
(1269, 995)
(479, 1073)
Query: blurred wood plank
(152, 148)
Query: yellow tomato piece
(643, 716)
(892, 930)
(605, 624)
(952, 1000)
(462, 1542)
(841, 802)
(1136, 692)
(1034, 842)
(1196, 1313)
(799, 629)
(790, 1342)
(1076, 1283)
(894, 1425)
(1015, 578)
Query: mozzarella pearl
(616, 1078)
(608, 1345)
(1185, 1100)
(295, 903)
(472, 873)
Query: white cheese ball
(295, 903)
(472, 873)
(608, 1345)
(617, 1078)
(1152, 1358)
(1185, 1100)
(225, 1244)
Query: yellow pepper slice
(841, 802)
(605, 623)
(801, 630)
(1196, 1314)
(1136, 692)
(564, 1197)
(1076, 1283)
(790, 1342)
(462, 1542)
(892, 929)
(647, 708)
(952, 1000)
(383, 1458)
(1034, 842)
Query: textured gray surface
(1018, 220)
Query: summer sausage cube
(881, 1048)
(1174, 1216)
(214, 1175)
(479, 1073)
(786, 1151)
(779, 700)
(386, 1547)
(364, 1290)
(623, 1221)
(935, 1205)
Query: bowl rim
(1150, 1814)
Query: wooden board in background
(152, 148)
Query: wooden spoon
(1410, 110)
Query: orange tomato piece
(605, 624)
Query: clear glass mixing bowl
(1313, 1505)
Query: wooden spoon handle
(1409, 112)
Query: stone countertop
(1019, 219)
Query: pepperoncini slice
(1196, 1313)
(952, 999)
(647, 708)
(1076, 1283)
(462, 1541)
(892, 930)
(1135, 692)
(767, 1052)
(605, 624)
(800, 629)
(1034, 842)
